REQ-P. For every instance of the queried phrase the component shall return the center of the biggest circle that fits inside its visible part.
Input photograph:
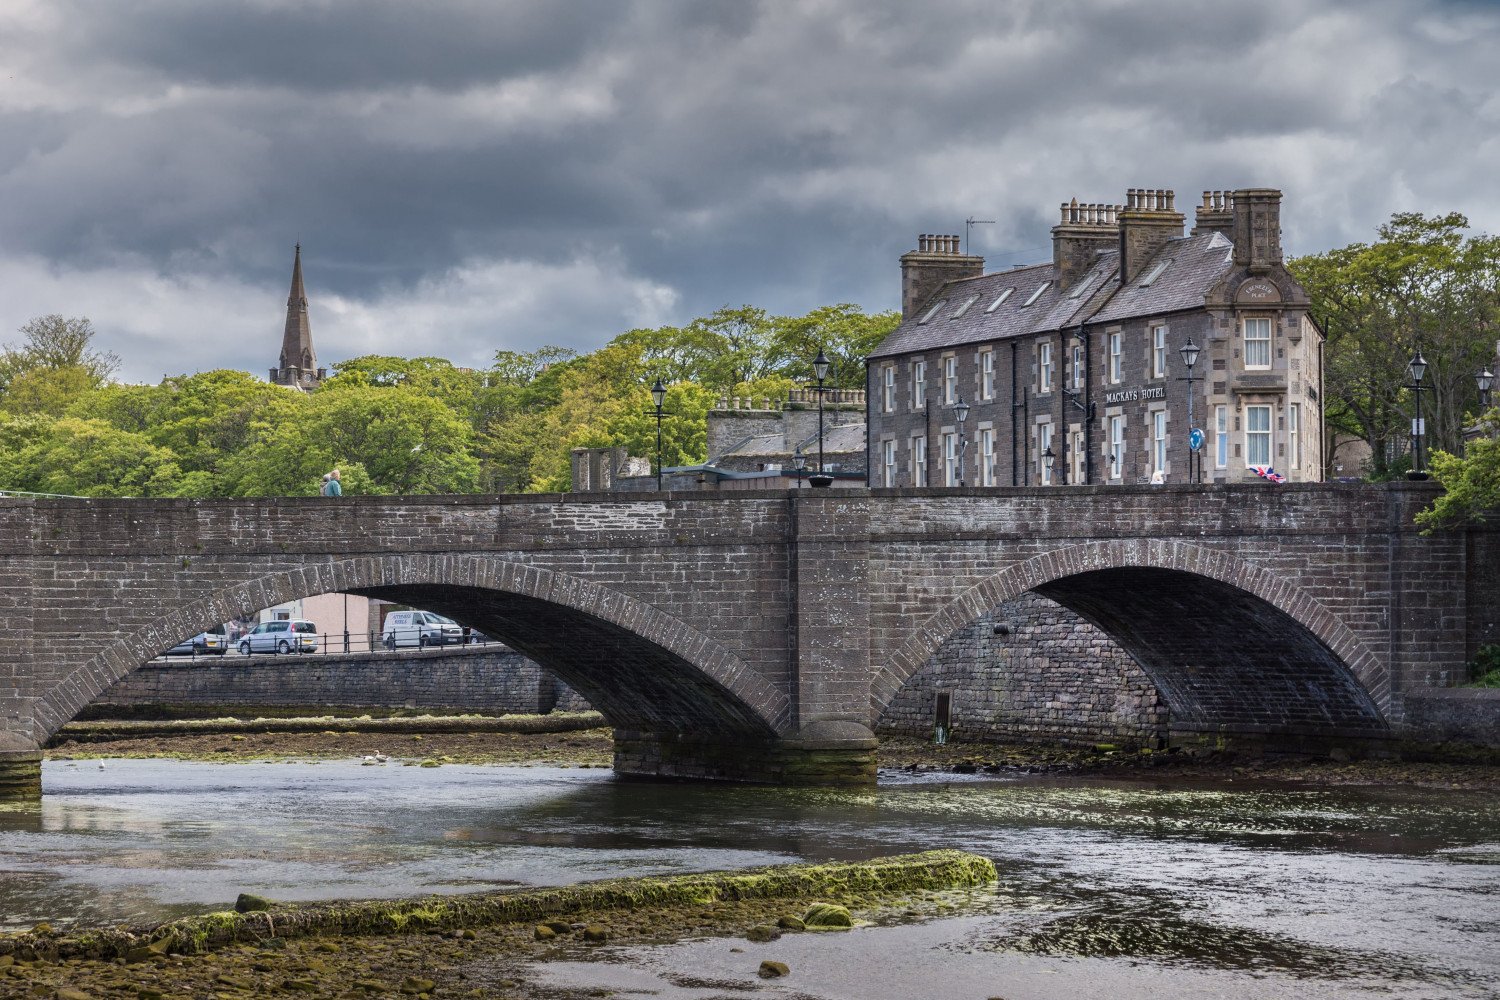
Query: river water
(1108, 888)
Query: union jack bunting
(1266, 472)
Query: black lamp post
(1047, 459)
(658, 396)
(1189, 352)
(1416, 368)
(799, 463)
(1484, 380)
(961, 413)
(821, 365)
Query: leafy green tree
(91, 458)
(47, 390)
(1471, 482)
(56, 342)
(1424, 285)
(458, 388)
(843, 332)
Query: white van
(421, 629)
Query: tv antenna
(970, 223)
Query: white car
(420, 629)
(293, 635)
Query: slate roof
(1197, 263)
(841, 439)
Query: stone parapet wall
(1032, 670)
(480, 680)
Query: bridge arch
(1222, 638)
(640, 666)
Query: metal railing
(371, 643)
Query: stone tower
(298, 365)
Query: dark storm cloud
(484, 175)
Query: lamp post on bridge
(1416, 368)
(1189, 352)
(799, 463)
(1484, 380)
(961, 413)
(658, 396)
(821, 364)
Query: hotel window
(1159, 441)
(933, 311)
(1037, 294)
(888, 388)
(986, 374)
(987, 456)
(1043, 367)
(950, 380)
(1258, 344)
(919, 460)
(1079, 460)
(1116, 447)
(1221, 437)
(965, 307)
(887, 463)
(951, 471)
(1077, 366)
(999, 299)
(1257, 435)
(918, 384)
(1159, 352)
(1114, 356)
(1294, 435)
(1043, 444)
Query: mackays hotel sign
(1131, 395)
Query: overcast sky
(471, 176)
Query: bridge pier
(20, 770)
(821, 754)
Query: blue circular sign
(1195, 438)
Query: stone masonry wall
(1053, 677)
(490, 680)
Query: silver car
(293, 635)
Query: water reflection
(1367, 888)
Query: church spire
(298, 364)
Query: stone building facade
(1073, 370)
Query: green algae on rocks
(930, 870)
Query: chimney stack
(1148, 220)
(1257, 228)
(1215, 215)
(936, 261)
(1083, 231)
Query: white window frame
(1078, 373)
(1221, 437)
(917, 454)
(951, 471)
(1044, 367)
(1159, 350)
(965, 307)
(888, 462)
(1077, 459)
(1037, 294)
(1254, 436)
(987, 456)
(1159, 441)
(1115, 447)
(1294, 435)
(1262, 344)
(888, 388)
(987, 374)
(1043, 442)
(950, 380)
(919, 383)
(937, 308)
(1115, 365)
(999, 299)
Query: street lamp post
(658, 396)
(1047, 459)
(799, 463)
(1416, 368)
(821, 365)
(1484, 380)
(961, 413)
(1189, 352)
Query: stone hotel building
(1073, 370)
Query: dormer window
(999, 300)
(1037, 294)
(1155, 272)
(965, 307)
(933, 311)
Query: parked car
(421, 629)
(293, 635)
(202, 644)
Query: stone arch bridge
(757, 636)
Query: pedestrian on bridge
(331, 487)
